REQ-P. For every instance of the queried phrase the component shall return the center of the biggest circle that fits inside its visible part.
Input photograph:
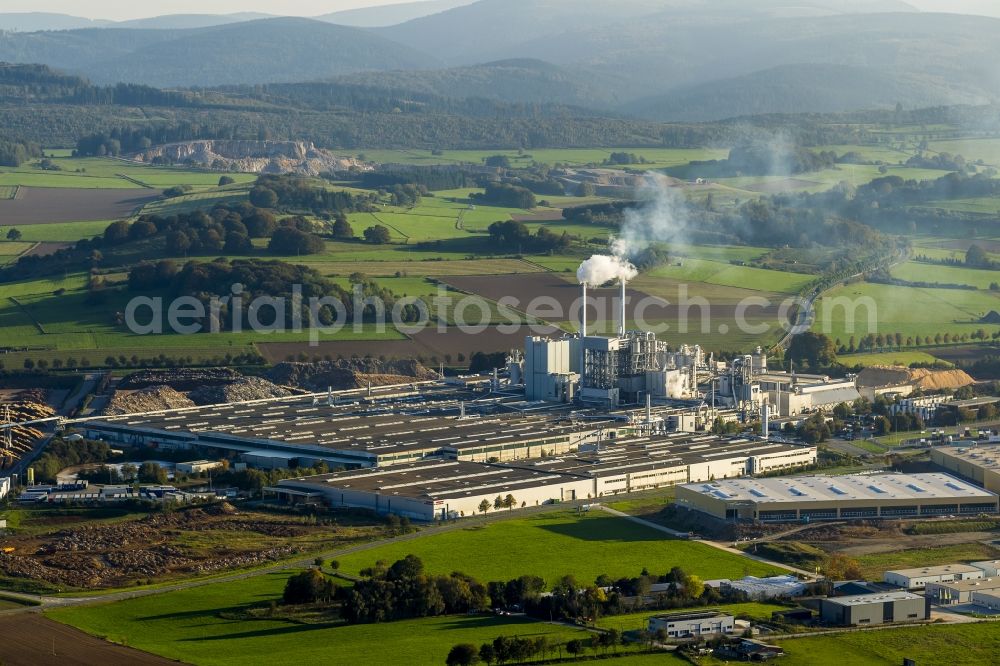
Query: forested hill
(656, 59)
(821, 88)
(267, 50)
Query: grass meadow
(913, 271)
(729, 275)
(887, 358)
(106, 172)
(936, 645)
(185, 625)
(554, 544)
(907, 310)
(874, 565)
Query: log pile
(25, 406)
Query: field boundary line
(537, 265)
(24, 311)
(384, 223)
(135, 180)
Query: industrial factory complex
(571, 418)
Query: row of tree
(405, 590)
(506, 195)
(517, 650)
(290, 192)
(514, 236)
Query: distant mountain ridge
(655, 59)
(386, 15)
(266, 50)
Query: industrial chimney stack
(621, 325)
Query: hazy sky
(126, 9)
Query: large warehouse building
(918, 579)
(435, 488)
(871, 609)
(642, 463)
(981, 463)
(837, 497)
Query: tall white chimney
(649, 414)
(766, 421)
(621, 325)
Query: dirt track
(32, 640)
(35, 205)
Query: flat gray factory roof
(874, 487)
(639, 454)
(939, 570)
(878, 598)
(837, 395)
(433, 479)
(426, 420)
(986, 456)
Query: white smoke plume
(661, 218)
(601, 268)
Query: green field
(107, 172)
(57, 327)
(62, 232)
(957, 645)
(423, 268)
(10, 250)
(729, 275)
(197, 200)
(888, 358)
(185, 625)
(655, 157)
(906, 310)
(874, 565)
(984, 205)
(987, 150)
(819, 181)
(913, 271)
(551, 545)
